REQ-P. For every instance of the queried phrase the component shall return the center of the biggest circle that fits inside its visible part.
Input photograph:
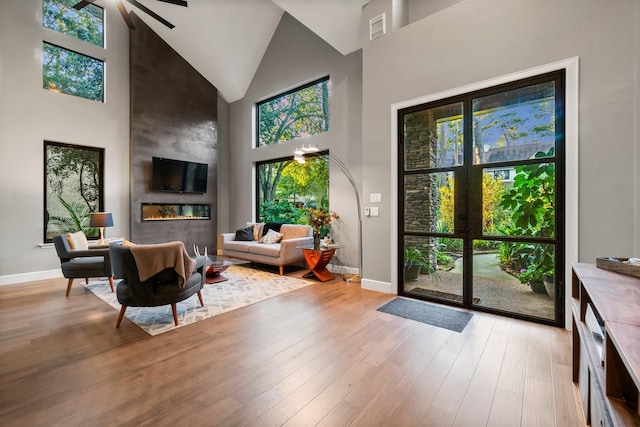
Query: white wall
(29, 115)
(477, 40)
(296, 56)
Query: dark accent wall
(173, 115)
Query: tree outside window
(86, 24)
(296, 114)
(73, 188)
(67, 71)
(286, 188)
(72, 73)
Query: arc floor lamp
(299, 154)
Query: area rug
(245, 286)
(431, 314)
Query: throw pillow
(244, 234)
(257, 229)
(78, 241)
(271, 237)
(275, 226)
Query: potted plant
(319, 219)
(549, 280)
(414, 261)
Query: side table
(317, 261)
(216, 265)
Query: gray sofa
(288, 251)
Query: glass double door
(481, 212)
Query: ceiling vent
(378, 26)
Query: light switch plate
(375, 197)
(374, 210)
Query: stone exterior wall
(421, 193)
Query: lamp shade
(101, 219)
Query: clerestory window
(295, 114)
(70, 71)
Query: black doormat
(441, 295)
(428, 313)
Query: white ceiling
(226, 39)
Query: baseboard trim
(13, 279)
(375, 285)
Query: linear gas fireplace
(175, 211)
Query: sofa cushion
(271, 237)
(240, 246)
(293, 231)
(272, 250)
(244, 234)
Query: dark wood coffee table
(216, 265)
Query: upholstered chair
(162, 288)
(82, 262)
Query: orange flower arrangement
(319, 218)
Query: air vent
(377, 26)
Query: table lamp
(101, 220)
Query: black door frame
(466, 208)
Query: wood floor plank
(476, 405)
(321, 355)
(537, 405)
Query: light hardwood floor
(321, 356)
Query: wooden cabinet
(608, 372)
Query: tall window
(74, 177)
(287, 188)
(67, 71)
(298, 113)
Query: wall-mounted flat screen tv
(178, 176)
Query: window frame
(256, 144)
(100, 173)
(80, 12)
(102, 63)
(285, 159)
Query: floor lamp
(299, 157)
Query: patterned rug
(245, 286)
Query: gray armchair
(160, 289)
(82, 264)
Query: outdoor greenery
(67, 71)
(72, 73)
(77, 218)
(86, 24)
(73, 184)
(288, 189)
(413, 256)
(531, 202)
(520, 203)
(294, 115)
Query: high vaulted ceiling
(226, 39)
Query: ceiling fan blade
(151, 13)
(82, 4)
(125, 15)
(176, 2)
